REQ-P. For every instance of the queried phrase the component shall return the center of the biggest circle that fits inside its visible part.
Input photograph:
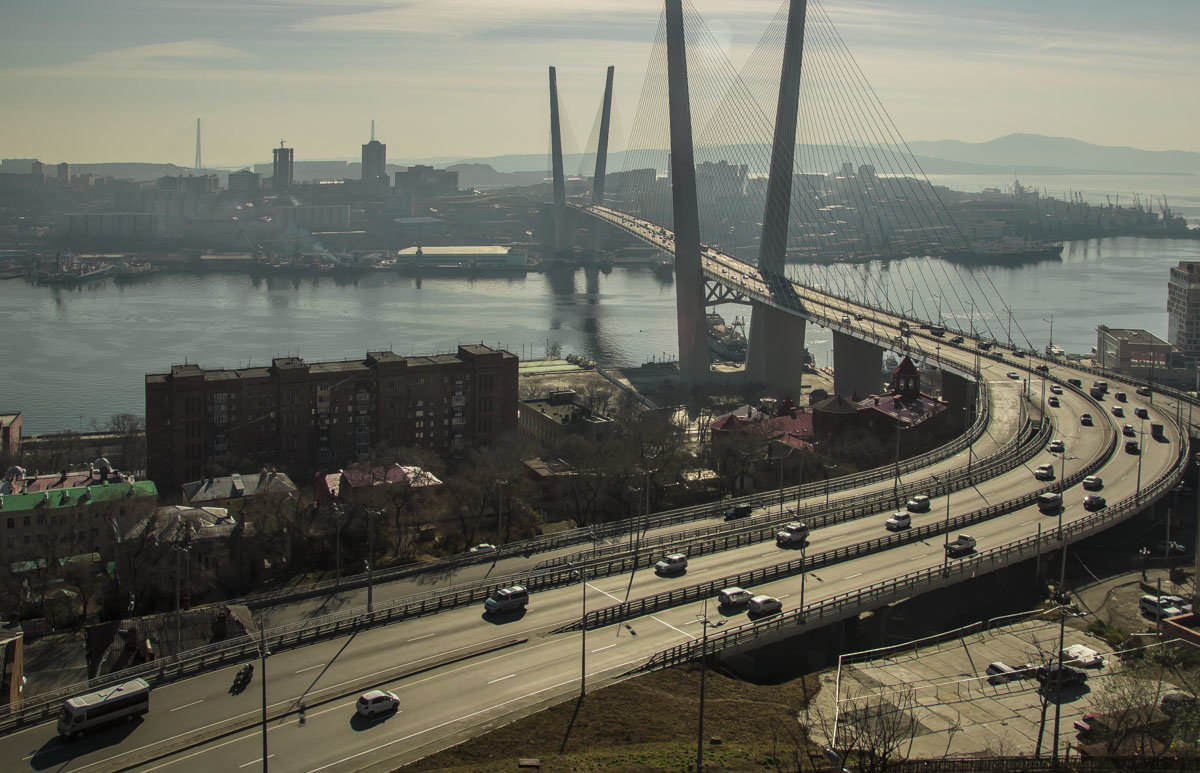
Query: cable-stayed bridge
(735, 237)
(824, 204)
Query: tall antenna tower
(372, 130)
(199, 163)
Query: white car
(899, 521)
(1057, 446)
(672, 564)
(765, 605)
(795, 533)
(376, 702)
(1093, 483)
(1153, 606)
(482, 547)
(1055, 389)
(1014, 375)
(1085, 657)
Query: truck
(960, 545)
(795, 533)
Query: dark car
(1050, 676)
(737, 511)
(1131, 447)
(1121, 397)
(956, 340)
(1094, 502)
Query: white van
(103, 707)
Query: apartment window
(485, 404)
(25, 521)
(12, 523)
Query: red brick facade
(312, 416)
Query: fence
(885, 591)
(649, 604)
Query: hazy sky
(125, 80)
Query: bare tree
(871, 729)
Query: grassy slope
(649, 723)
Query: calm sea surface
(71, 356)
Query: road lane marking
(310, 668)
(501, 679)
(606, 593)
(426, 636)
(601, 649)
(851, 577)
(184, 706)
(255, 762)
(573, 680)
(673, 628)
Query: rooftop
(75, 496)
(237, 486)
(1133, 335)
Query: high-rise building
(281, 168)
(64, 173)
(245, 181)
(374, 161)
(38, 168)
(1183, 308)
(324, 414)
(425, 182)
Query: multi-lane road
(442, 701)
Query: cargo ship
(726, 341)
(1008, 249)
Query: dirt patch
(649, 723)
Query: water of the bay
(71, 356)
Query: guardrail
(817, 516)
(615, 528)
(649, 604)
(798, 492)
(302, 632)
(885, 591)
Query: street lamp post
(1137, 498)
(337, 521)
(704, 623)
(262, 671)
(368, 564)
(179, 551)
(582, 629)
(803, 575)
(946, 544)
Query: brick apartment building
(309, 416)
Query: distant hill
(1018, 150)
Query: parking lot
(953, 707)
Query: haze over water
(74, 355)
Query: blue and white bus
(118, 703)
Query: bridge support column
(556, 163)
(689, 275)
(775, 351)
(857, 366)
(602, 144)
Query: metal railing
(885, 591)
(649, 604)
(818, 516)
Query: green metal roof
(75, 496)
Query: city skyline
(465, 78)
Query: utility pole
(262, 668)
(703, 670)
